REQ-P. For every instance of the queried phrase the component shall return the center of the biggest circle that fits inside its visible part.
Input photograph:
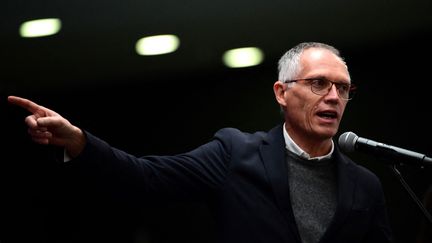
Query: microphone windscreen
(347, 141)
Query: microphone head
(347, 141)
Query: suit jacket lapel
(273, 157)
(346, 186)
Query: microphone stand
(411, 193)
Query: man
(291, 184)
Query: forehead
(322, 62)
(315, 54)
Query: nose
(332, 92)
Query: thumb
(52, 122)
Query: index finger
(24, 103)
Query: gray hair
(289, 63)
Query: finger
(31, 121)
(39, 134)
(44, 141)
(51, 122)
(24, 103)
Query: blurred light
(243, 57)
(157, 45)
(40, 27)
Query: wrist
(76, 143)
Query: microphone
(350, 142)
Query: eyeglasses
(322, 86)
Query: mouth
(328, 114)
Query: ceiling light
(157, 45)
(243, 57)
(40, 27)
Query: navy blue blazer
(246, 176)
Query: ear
(279, 91)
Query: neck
(314, 147)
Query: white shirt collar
(290, 145)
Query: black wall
(155, 114)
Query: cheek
(304, 112)
(308, 107)
(309, 110)
(302, 107)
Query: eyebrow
(334, 81)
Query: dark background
(90, 74)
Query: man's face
(306, 113)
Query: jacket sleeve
(200, 171)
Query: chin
(327, 132)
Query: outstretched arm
(48, 127)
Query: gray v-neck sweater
(313, 193)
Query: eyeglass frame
(350, 87)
